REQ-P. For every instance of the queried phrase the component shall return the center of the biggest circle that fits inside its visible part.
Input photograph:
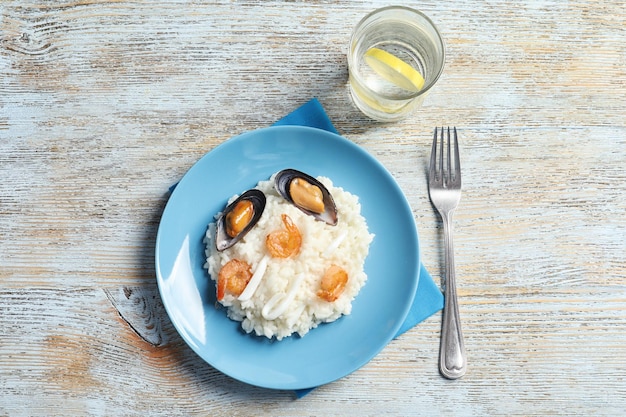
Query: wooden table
(104, 104)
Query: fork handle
(452, 357)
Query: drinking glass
(396, 56)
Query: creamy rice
(306, 311)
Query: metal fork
(444, 188)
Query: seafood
(291, 272)
(233, 278)
(333, 283)
(286, 242)
(238, 218)
(306, 193)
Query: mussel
(238, 218)
(306, 193)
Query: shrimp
(285, 242)
(233, 278)
(333, 283)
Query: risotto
(286, 295)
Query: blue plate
(332, 350)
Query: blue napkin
(428, 297)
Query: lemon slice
(394, 70)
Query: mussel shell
(222, 239)
(282, 181)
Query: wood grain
(105, 104)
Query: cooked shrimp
(285, 242)
(233, 278)
(333, 283)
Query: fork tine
(441, 153)
(457, 159)
(432, 169)
(448, 158)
